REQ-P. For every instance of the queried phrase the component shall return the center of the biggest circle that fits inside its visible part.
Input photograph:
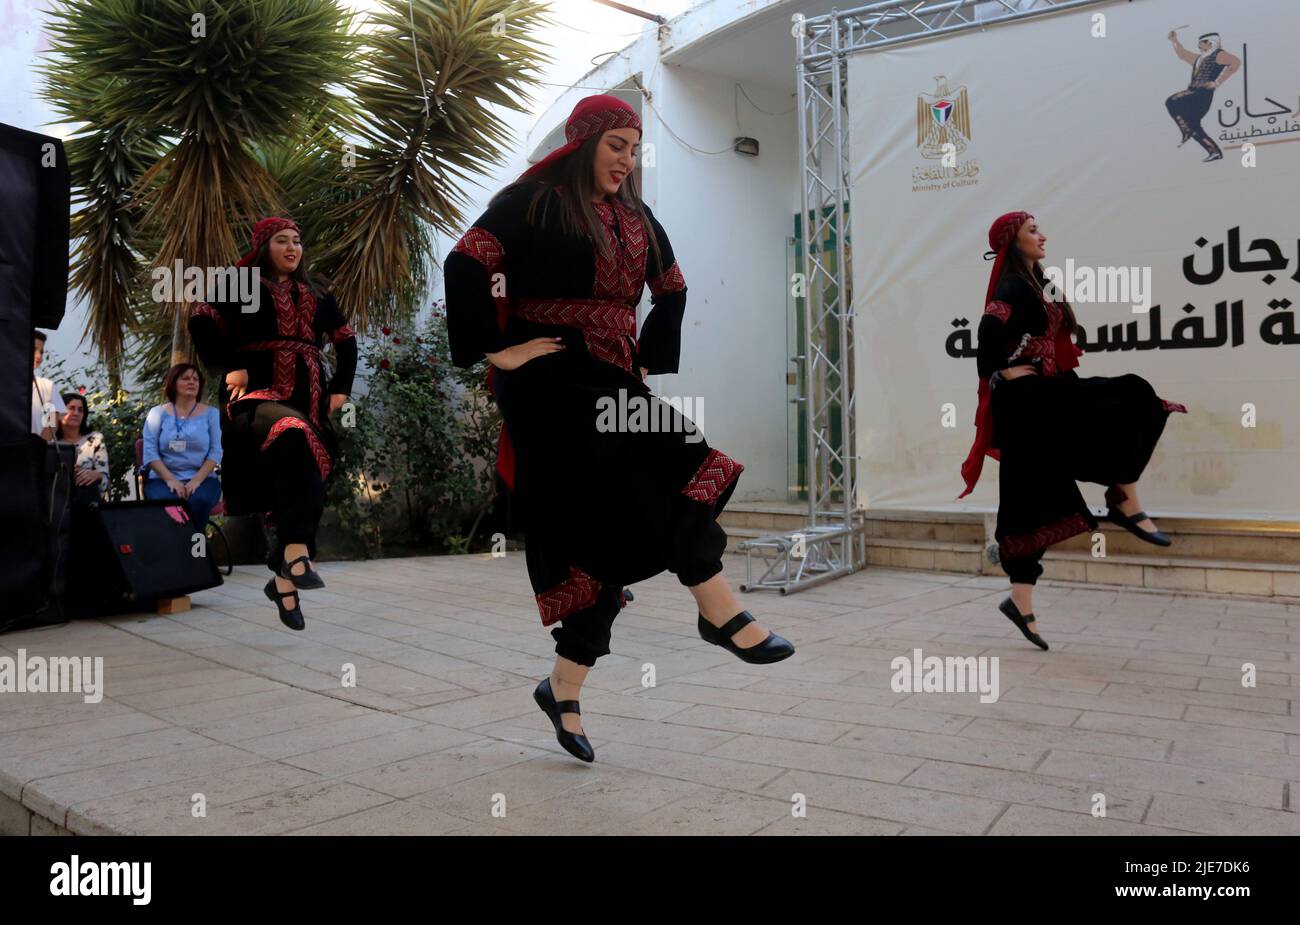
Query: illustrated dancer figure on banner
(1048, 426)
(545, 285)
(1210, 70)
(276, 399)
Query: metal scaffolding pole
(833, 543)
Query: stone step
(1194, 538)
(1125, 564)
(1168, 573)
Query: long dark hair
(1015, 265)
(85, 413)
(316, 284)
(576, 175)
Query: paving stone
(1139, 699)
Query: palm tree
(199, 116)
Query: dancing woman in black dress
(277, 397)
(545, 285)
(1046, 425)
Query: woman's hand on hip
(516, 356)
(237, 383)
(1015, 372)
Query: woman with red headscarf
(545, 285)
(276, 400)
(1046, 425)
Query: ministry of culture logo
(942, 118)
(943, 134)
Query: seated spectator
(47, 404)
(90, 480)
(182, 444)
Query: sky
(583, 31)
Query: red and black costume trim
(576, 592)
(608, 327)
(1026, 544)
(716, 472)
(670, 280)
(999, 310)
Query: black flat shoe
(771, 649)
(1022, 622)
(291, 618)
(574, 743)
(1131, 525)
(309, 580)
(1113, 497)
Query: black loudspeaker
(128, 554)
(34, 541)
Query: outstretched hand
(516, 356)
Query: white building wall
(728, 217)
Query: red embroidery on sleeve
(483, 246)
(999, 310)
(338, 335)
(669, 280)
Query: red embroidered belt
(608, 325)
(286, 351)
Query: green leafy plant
(194, 118)
(415, 448)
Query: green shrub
(416, 448)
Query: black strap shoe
(574, 743)
(290, 617)
(309, 580)
(771, 649)
(1115, 516)
(1113, 497)
(1022, 621)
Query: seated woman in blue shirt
(182, 444)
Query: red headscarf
(1002, 237)
(593, 115)
(263, 231)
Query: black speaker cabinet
(128, 554)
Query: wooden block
(174, 604)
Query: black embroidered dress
(277, 441)
(600, 508)
(1055, 428)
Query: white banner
(1065, 117)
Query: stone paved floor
(1140, 700)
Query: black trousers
(298, 494)
(584, 636)
(1024, 570)
(1188, 107)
